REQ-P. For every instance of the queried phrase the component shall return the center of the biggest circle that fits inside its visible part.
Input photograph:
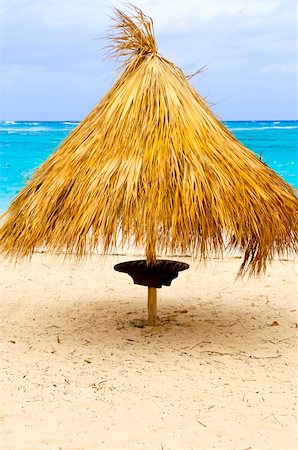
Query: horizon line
(221, 120)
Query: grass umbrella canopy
(152, 166)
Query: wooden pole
(152, 306)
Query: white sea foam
(290, 127)
(70, 123)
(10, 122)
(27, 130)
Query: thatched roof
(152, 165)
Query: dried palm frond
(151, 164)
(132, 36)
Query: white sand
(77, 371)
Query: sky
(54, 65)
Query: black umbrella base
(162, 273)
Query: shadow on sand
(110, 322)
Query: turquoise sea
(25, 145)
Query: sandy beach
(80, 371)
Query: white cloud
(240, 40)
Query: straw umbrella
(152, 166)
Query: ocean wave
(289, 127)
(29, 130)
(70, 123)
(21, 122)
